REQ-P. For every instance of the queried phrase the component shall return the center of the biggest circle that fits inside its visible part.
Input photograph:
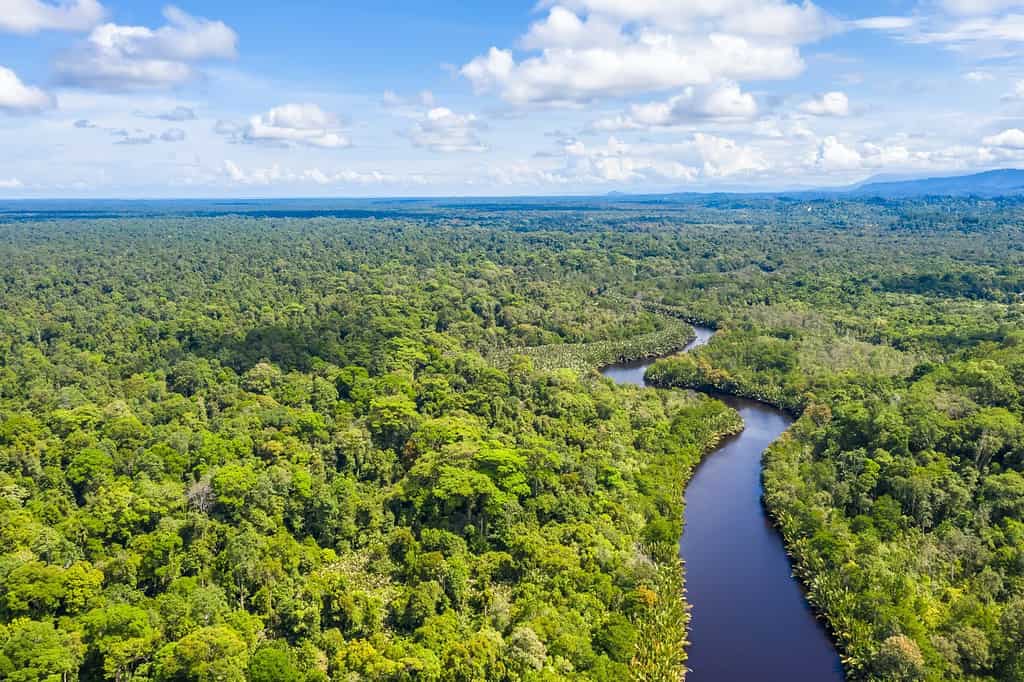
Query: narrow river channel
(750, 620)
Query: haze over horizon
(222, 98)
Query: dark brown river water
(750, 619)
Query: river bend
(750, 619)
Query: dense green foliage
(326, 448)
(233, 449)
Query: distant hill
(987, 184)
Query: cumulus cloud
(588, 49)
(436, 127)
(893, 156)
(724, 157)
(16, 97)
(10, 183)
(619, 162)
(829, 104)
(32, 16)
(979, 76)
(442, 130)
(658, 63)
(351, 177)
(834, 155)
(289, 125)
(1012, 138)
(116, 57)
(797, 23)
(275, 174)
(721, 101)
(491, 70)
(525, 173)
(775, 18)
(563, 28)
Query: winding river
(750, 620)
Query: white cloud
(619, 162)
(1012, 138)
(118, 57)
(588, 49)
(562, 28)
(658, 62)
(722, 101)
(723, 156)
(32, 16)
(803, 23)
(276, 175)
(829, 104)
(191, 38)
(892, 156)
(834, 155)
(10, 183)
(442, 130)
(353, 177)
(290, 124)
(491, 70)
(775, 18)
(524, 173)
(979, 76)
(883, 23)
(16, 97)
(299, 117)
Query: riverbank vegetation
(255, 448)
(899, 491)
(584, 357)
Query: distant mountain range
(994, 183)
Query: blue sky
(119, 98)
